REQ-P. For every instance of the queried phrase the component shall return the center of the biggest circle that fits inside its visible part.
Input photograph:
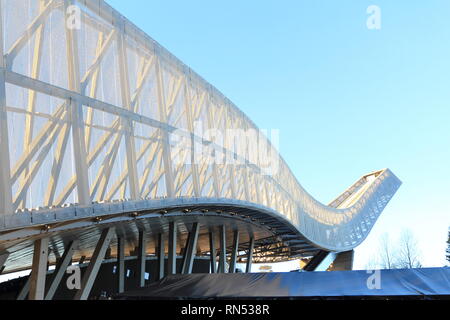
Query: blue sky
(348, 100)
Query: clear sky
(348, 100)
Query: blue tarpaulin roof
(411, 282)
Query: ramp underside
(275, 239)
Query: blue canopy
(389, 283)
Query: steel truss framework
(97, 113)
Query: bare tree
(448, 246)
(386, 255)
(404, 255)
(372, 263)
(408, 255)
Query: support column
(223, 249)
(234, 253)
(212, 251)
(211, 124)
(77, 118)
(172, 261)
(63, 264)
(191, 249)
(39, 270)
(183, 253)
(120, 265)
(32, 97)
(161, 256)
(94, 266)
(142, 254)
(248, 268)
(190, 124)
(126, 123)
(6, 204)
(166, 149)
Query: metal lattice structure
(95, 117)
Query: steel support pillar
(248, 268)
(165, 137)
(77, 117)
(6, 203)
(223, 249)
(191, 249)
(234, 253)
(94, 265)
(39, 270)
(127, 124)
(183, 253)
(142, 254)
(61, 268)
(161, 256)
(212, 251)
(120, 265)
(172, 259)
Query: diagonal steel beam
(94, 265)
(45, 149)
(234, 252)
(212, 251)
(104, 46)
(191, 249)
(23, 293)
(26, 158)
(57, 165)
(102, 178)
(223, 249)
(64, 263)
(28, 33)
(140, 84)
(93, 93)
